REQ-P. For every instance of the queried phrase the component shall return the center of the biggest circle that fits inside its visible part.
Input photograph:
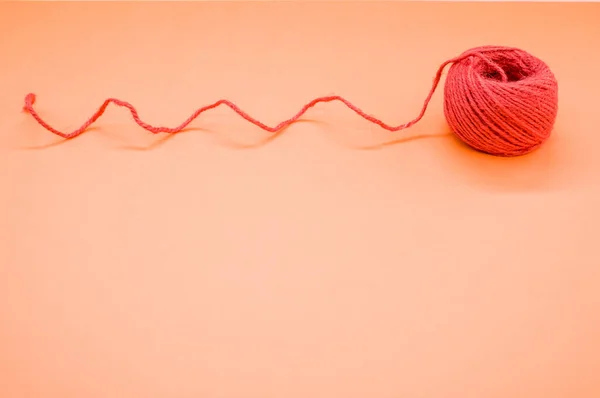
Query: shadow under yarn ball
(499, 100)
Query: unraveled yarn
(499, 100)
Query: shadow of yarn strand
(268, 139)
(56, 143)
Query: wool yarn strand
(498, 100)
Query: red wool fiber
(499, 100)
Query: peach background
(132, 266)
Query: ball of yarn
(501, 101)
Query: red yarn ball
(501, 101)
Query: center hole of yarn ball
(515, 68)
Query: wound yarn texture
(499, 100)
(502, 101)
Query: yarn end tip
(29, 101)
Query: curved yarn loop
(498, 100)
